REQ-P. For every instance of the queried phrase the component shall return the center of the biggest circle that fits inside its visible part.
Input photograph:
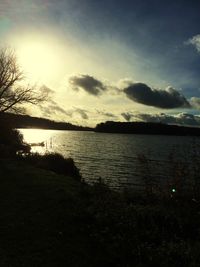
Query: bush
(11, 141)
(54, 162)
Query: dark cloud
(138, 92)
(167, 99)
(181, 118)
(127, 116)
(88, 83)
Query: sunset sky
(109, 59)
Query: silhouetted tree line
(26, 121)
(146, 128)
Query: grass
(48, 219)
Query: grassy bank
(48, 219)
(40, 218)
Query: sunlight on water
(37, 136)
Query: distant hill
(26, 121)
(146, 128)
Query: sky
(109, 59)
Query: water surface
(119, 159)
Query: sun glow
(39, 59)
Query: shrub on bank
(13, 146)
(54, 162)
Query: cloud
(166, 99)
(88, 83)
(50, 107)
(106, 114)
(188, 119)
(195, 102)
(46, 90)
(195, 41)
(125, 82)
(47, 94)
(53, 108)
(81, 112)
(181, 118)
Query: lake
(121, 160)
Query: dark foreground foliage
(145, 231)
(48, 220)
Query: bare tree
(13, 92)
